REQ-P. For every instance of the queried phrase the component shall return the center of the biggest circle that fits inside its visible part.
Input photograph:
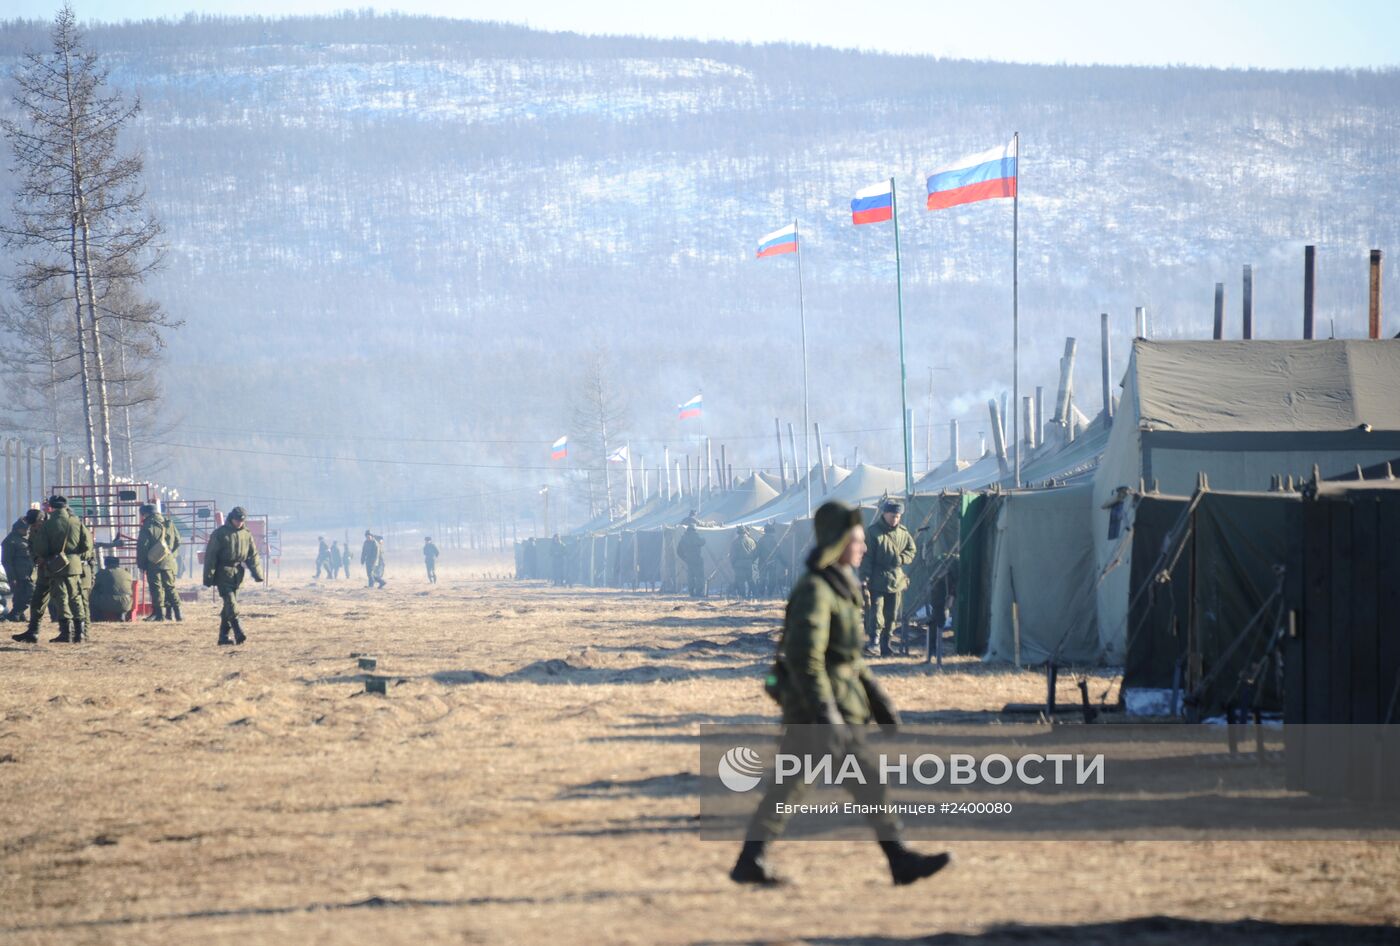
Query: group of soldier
(50, 563)
(332, 559)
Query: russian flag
(779, 242)
(690, 408)
(985, 176)
(874, 204)
(559, 449)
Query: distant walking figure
(430, 557)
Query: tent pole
(806, 404)
(903, 375)
(1016, 301)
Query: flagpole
(1016, 311)
(903, 379)
(806, 420)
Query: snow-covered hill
(404, 227)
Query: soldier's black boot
(80, 631)
(65, 632)
(885, 644)
(907, 866)
(224, 640)
(175, 607)
(238, 635)
(752, 867)
(30, 636)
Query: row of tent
(1054, 572)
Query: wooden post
(1140, 322)
(689, 483)
(1107, 371)
(1309, 287)
(1375, 294)
(953, 451)
(792, 448)
(1248, 328)
(1219, 311)
(1066, 382)
(666, 472)
(724, 483)
(821, 457)
(709, 469)
(1027, 422)
(782, 467)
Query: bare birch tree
(79, 211)
(600, 417)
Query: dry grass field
(528, 778)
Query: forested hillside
(387, 231)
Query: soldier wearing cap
(743, 560)
(891, 547)
(112, 592)
(155, 556)
(230, 552)
(829, 698)
(59, 543)
(19, 566)
(690, 549)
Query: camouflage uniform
(743, 560)
(19, 568)
(231, 550)
(113, 593)
(829, 697)
(691, 550)
(430, 557)
(60, 543)
(157, 532)
(888, 550)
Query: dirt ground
(530, 777)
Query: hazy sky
(1262, 33)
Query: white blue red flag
(779, 242)
(691, 408)
(559, 449)
(874, 204)
(985, 176)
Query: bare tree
(600, 418)
(80, 206)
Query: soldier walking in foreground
(59, 544)
(19, 566)
(112, 592)
(691, 550)
(155, 555)
(323, 558)
(372, 558)
(829, 697)
(230, 552)
(430, 557)
(890, 548)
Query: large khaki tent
(1240, 412)
(1042, 565)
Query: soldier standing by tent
(372, 558)
(556, 561)
(323, 558)
(891, 548)
(691, 550)
(112, 592)
(829, 697)
(335, 559)
(230, 552)
(19, 566)
(770, 566)
(430, 557)
(155, 556)
(744, 561)
(58, 543)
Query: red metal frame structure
(196, 519)
(262, 532)
(113, 513)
